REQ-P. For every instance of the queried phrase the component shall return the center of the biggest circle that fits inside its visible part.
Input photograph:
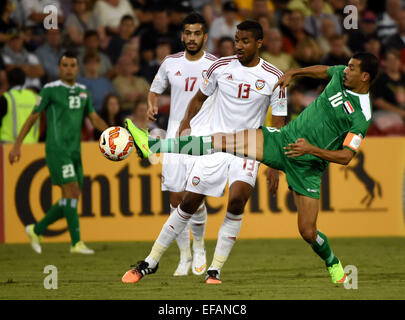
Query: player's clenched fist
(14, 155)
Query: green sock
(53, 214)
(70, 213)
(191, 145)
(322, 249)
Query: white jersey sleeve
(278, 102)
(209, 82)
(161, 80)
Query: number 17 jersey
(184, 77)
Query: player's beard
(194, 52)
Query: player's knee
(308, 233)
(236, 205)
(190, 204)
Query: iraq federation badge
(260, 84)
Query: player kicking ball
(330, 129)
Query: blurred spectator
(79, 21)
(208, 13)
(3, 77)
(34, 17)
(373, 45)
(17, 14)
(97, 85)
(388, 93)
(110, 112)
(368, 27)
(92, 44)
(226, 47)
(144, 15)
(49, 54)
(130, 88)
(327, 32)
(157, 32)
(6, 23)
(149, 69)
(295, 32)
(224, 26)
(179, 10)
(15, 55)
(296, 102)
(312, 23)
(386, 23)
(337, 8)
(253, 9)
(397, 40)
(308, 53)
(139, 115)
(117, 42)
(16, 105)
(272, 51)
(110, 13)
(337, 54)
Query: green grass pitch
(256, 269)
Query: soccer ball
(116, 143)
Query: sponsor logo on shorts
(311, 190)
(195, 181)
(260, 84)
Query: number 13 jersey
(244, 94)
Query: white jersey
(184, 77)
(244, 94)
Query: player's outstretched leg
(183, 242)
(35, 239)
(307, 215)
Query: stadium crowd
(121, 43)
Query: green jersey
(338, 118)
(65, 107)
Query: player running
(183, 72)
(330, 129)
(66, 102)
(243, 86)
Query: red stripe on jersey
(175, 55)
(210, 56)
(218, 63)
(273, 68)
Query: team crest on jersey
(204, 74)
(83, 95)
(195, 181)
(260, 84)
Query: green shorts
(303, 176)
(64, 167)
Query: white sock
(183, 240)
(226, 239)
(198, 223)
(171, 229)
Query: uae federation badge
(260, 84)
(195, 181)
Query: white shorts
(210, 173)
(175, 171)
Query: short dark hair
(252, 26)
(126, 17)
(16, 77)
(68, 54)
(193, 18)
(368, 63)
(90, 33)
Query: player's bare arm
(302, 146)
(153, 109)
(15, 152)
(193, 108)
(317, 72)
(97, 122)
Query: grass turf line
(256, 269)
